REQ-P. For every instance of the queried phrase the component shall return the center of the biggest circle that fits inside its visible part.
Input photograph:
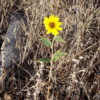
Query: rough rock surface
(10, 52)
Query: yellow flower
(52, 24)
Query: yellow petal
(55, 32)
(59, 23)
(56, 18)
(48, 32)
(52, 18)
(59, 28)
(45, 20)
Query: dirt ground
(75, 76)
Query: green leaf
(57, 55)
(59, 38)
(45, 59)
(46, 41)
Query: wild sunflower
(52, 24)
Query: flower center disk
(52, 25)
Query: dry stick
(76, 55)
(31, 79)
(91, 64)
(60, 65)
(83, 78)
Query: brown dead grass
(76, 76)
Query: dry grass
(76, 76)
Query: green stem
(51, 62)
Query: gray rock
(10, 53)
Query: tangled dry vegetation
(76, 76)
